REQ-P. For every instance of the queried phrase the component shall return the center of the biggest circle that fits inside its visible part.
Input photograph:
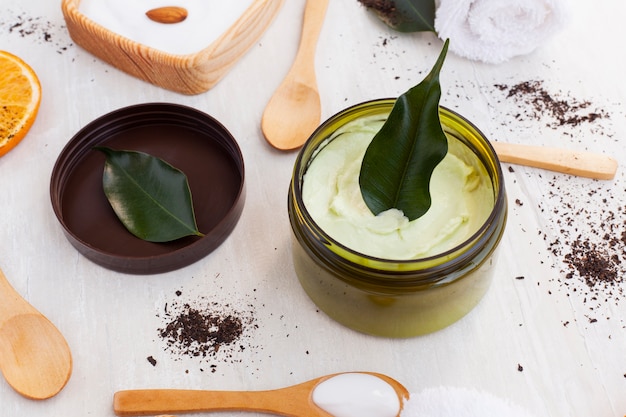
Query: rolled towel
(459, 402)
(494, 31)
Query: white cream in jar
(357, 395)
(206, 21)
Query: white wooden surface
(533, 340)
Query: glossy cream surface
(461, 192)
(205, 22)
(357, 395)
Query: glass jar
(396, 298)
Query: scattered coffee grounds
(35, 28)
(594, 264)
(201, 333)
(537, 103)
(588, 243)
(206, 330)
(152, 361)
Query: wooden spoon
(583, 164)
(294, 401)
(34, 356)
(294, 111)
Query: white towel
(459, 402)
(494, 31)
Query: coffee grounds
(537, 103)
(206, 330)
(590, 244)
(197, 333)
(36, 28)
(594, 264)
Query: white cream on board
(206, 21)
(357, 395)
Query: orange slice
(20, 95)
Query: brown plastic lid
(186, 138)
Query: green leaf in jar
(400, 160)
(405, 15)
(149, 196)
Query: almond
(168, 14)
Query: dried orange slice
(20, 95)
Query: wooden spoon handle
(290, 402)
(584, 164)
(11, 302)
(159, 401)
(314, 13)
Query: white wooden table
(552, 344)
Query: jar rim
(438, 260)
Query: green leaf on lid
(149, 196)
(405, 15)
(400, 160)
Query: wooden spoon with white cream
(360, 392)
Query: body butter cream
(461, 192)
(384, 274)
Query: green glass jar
(396, 298)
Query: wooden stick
(581, 163)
